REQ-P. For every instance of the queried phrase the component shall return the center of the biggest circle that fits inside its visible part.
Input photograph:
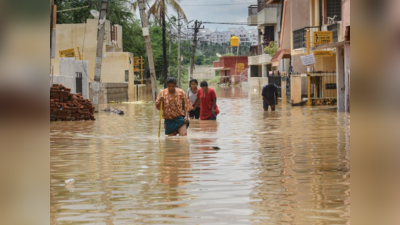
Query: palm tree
(159, 10)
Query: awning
(331, 45)
(280, 54)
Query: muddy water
(285, 167)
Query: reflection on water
(285, 167)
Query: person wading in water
(192, 94)
(176, 108)
(270, 96)
(208, 102)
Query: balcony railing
(262, 4)
(299, 36)
(335, 31)
(256, 50)
(253, 9)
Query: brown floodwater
(291, 166)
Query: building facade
(117, 66)
(265, 18)
(219, 37)
(232, 69)
(330, 75)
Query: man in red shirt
(208, 102)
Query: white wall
(69, 68)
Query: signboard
(322, 37)
(67, 53)
(330, 86)
(240, 67)
(308, 59)
(136, 61)
(323, 53)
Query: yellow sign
(240, 67)
(67, 53)
(136, 69)
(136, 61)
(322, 37)
(323, 53)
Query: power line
(238, 23)
(222, 4)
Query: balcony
(257, 55)
(299, 37)
(252, 19)
(336, 29)
(267, 14)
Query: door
(78, 82)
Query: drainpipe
(320, 15)
(280, 28)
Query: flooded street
(291, 166)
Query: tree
(199, 60)
(271, 49)
(159, 12)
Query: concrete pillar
(283, 91)
(340, 81)
(141, 92)
(134, 96)
(264, 70)
(347, 77)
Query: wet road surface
(291, 166)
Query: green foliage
(199, 59)
(271, 49)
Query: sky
(214, 11)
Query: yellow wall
(72, 36)
(113, 69)
(325, 63)
(295, 89)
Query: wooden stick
(159, 124)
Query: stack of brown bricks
(65, 106)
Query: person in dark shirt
(270, 96)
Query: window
(333, 8)
(126, 75)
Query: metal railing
(253, 10)
(262, 4)
(335, 31)
(325, 88)
(299, 39)
(256, 50)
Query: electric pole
(99, 53)
(179, 51)
(145, 27)
(169, 58)
(196, 28)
